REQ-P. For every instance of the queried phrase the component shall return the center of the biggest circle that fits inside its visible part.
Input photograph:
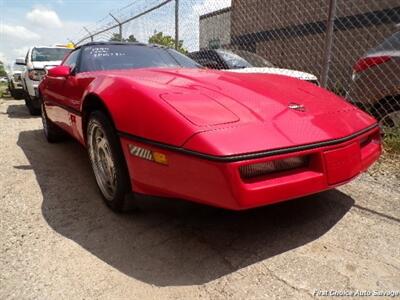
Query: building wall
(215, 27)
(291, 33)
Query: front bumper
(32, 87)
(17, 85)
(220, 183)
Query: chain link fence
(349, 47)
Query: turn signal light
(148, 154)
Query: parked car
(37, 58)
(242, 61)
(375, 85)
(156, 123)
(14, 79)
(3, 80)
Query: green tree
(131, 39)
(116, 37)
(166, 40)
(2, 70)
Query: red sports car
(154, 122)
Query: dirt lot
(57, 238)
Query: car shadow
(19, 111)
(169, 242)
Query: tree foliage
(166, 40)
(116, 37)
(2, 70)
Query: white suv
(36, 60)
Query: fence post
(328, 42)
(90, 35)
(176, 24)
(119, 26)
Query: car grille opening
(274, 166)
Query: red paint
(59, 71)
(221, 113)
(368, 62)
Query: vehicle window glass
(114, 57)
(72, 59)
(208, 59)
(392, 43)
(49, 54)
(183, 59)
(234, 61)
(16, 67)
(254, 59)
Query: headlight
(17, 77)
(264, 168)
(36, 75)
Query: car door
(73, 90)
(57, 94)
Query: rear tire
(52, 133)
(107, 160)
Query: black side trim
(246, 156)
(67, 108)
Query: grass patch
(3, 89)
(391, 141)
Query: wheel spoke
(102, 161)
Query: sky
(25, 23)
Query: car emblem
(296, 106)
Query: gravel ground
(58, 240)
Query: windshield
(49, 54)
(239, 59)
(234, 61)
(17, 68)
(392, 43)
(116, 57)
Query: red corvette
(156, 123)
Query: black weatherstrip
(246, 156)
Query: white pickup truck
(14, 79)
(37, 59)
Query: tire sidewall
(122, 177)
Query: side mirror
(59, 71)
(20, 61)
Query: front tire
(34, 111)
(107, 160)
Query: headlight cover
(36, 74)
(273, 166)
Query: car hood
(231, 113)
(277, 71)
(43, 64)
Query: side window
(72, 60)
